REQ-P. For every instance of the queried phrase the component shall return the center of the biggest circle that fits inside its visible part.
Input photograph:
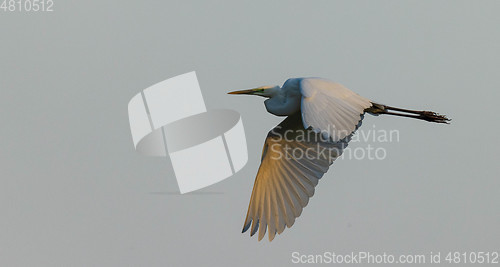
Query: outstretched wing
(331, 108)
(293, 160)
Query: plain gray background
(74, 192)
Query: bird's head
(265, 91)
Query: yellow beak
(243, 92)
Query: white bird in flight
(322, 117)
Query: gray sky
(74, 192)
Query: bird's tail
(377, 109)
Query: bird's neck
(274, 92)
(283, 102)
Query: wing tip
(246, 226)
(255, 227)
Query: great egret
(322, 117)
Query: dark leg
(416, 114)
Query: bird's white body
(326, 106)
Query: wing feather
(263, 215)
(285, 181)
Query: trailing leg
(430, 116)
